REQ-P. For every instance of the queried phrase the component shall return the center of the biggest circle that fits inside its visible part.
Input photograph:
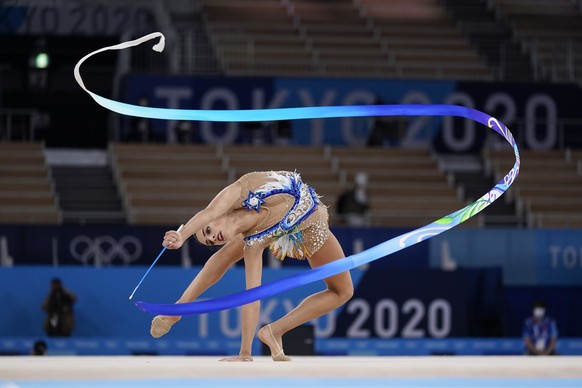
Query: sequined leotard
(296, 224)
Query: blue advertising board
(541, 257)
(84, 346)
(122, 245)
(389, 308)
(538, 107)
(559, 257)
(527, 257)
(397, 303)
(407, 304)
(562, 304)
(48, 18)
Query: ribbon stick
(151, 266)
(381, 250)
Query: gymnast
(260, 210)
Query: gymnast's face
(216, 232)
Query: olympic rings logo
(103, 250)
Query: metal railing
(19, 124)
(555, 59)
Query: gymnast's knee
(343, 294)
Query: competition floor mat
(194, 371)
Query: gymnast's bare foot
(275, 343)
(162, 324)
(245, 358)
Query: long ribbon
(381, 250)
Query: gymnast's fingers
(172, 240)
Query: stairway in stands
(88, 194)
(493, 38)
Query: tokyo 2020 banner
(539, 115)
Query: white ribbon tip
(159, 47)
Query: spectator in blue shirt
(540, 332)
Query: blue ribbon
(381, 250)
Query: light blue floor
(304, 383)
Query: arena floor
(165, 371)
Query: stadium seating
(554, 42)
(26, 190)
(548, 188)
(423, 40)
(406, 186)
(402, 39)
(167, 184)
(255, 37)
(163, 184)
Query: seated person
(540, 332)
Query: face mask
(361, 179)
(539, 312)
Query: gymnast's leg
(339, 290)
(212, 272)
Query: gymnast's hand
(173, 239)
